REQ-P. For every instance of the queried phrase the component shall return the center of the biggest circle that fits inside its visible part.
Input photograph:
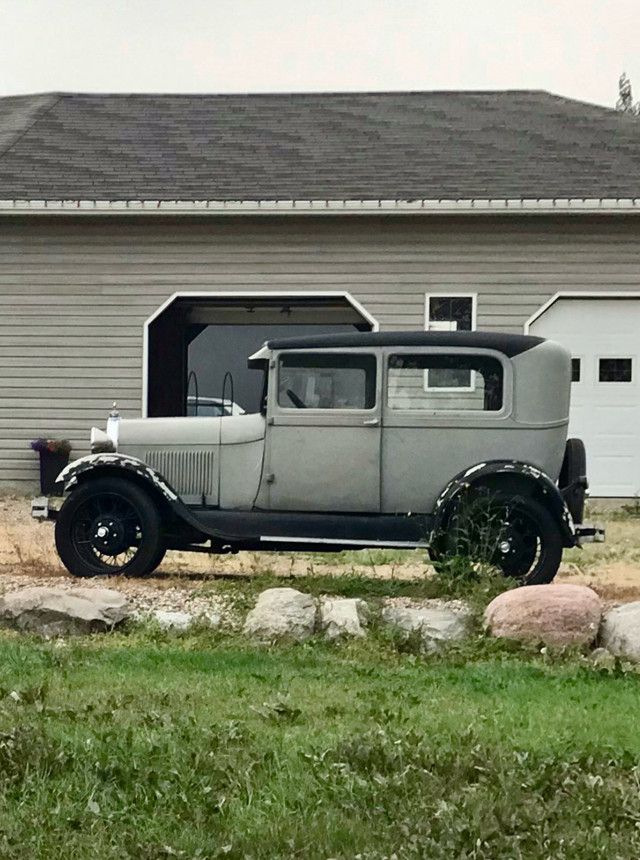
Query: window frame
(444, 416)
(450, 295)
(316, 411)
(581, 367)
(617, 356)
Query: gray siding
(75, 292)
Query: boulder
(168, 619)
(282, 613)
(620, 631)
(433, 624)
(173, 619)
(54, 611)
(342, 617)
(555, 614)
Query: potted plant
(54, 456)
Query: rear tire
(109, 526)
(514, 533)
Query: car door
(444, 410)
(323, 431)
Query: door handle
(372, 422)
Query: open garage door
(196, 340)
(603, 336)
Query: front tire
(109, 526)
(514, 533)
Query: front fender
(131, 468)
(93, 462)
(519, 475)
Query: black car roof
(509, 344)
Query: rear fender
(511, 476)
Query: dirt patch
(618, 582)
(27, 550)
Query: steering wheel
(293, 397)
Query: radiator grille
(190, 473)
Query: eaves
(541, 206)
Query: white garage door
(603, 336)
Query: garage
(150, 242)
(197, 344)
(603, 335)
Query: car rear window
(444, 382)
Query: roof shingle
(336, 146)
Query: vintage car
(452, 441)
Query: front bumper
(41, 509)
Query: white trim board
(574, 294)
(475, 206)
(240, 294)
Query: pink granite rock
(555, 614)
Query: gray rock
(172, 620)
(282, 613)
(54, 611)
(620, 631)
(168, 619)
(602, 658)
(434, 625)
(342, 617)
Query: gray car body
(361, 462)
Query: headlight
(100, 442)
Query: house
(148, 242)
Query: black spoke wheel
(516, 534)
(109, 526)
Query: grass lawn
(145, 745)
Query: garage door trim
(579, 294)
(241, 294)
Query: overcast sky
(575, 48)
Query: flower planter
(51, 464)
(54, 456)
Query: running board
(245, 529)
(378, 544)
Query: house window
(575, 369)
(405, 389)
(327, 381)
(615, 369)
(450, 313)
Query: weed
(457, 577)
(631, 510)
(279, 711)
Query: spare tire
(572, 481)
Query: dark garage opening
(196, 340)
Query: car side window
(326, 381)
(445, 382)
